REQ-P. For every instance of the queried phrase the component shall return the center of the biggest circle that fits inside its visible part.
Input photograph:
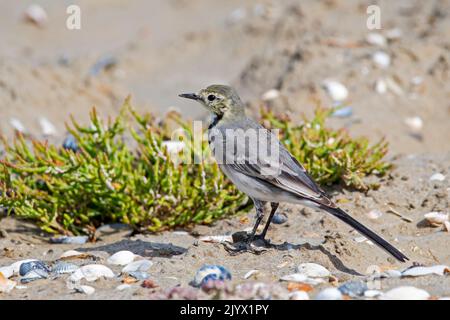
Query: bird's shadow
(337, 263)
(139, 247)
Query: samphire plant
(121, 171)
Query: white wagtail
(274, 179)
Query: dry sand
(163, 48)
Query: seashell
(48, 129)
(447, 225)
(271, 94)
(360, 239)
(343, 112)
(123, 287)
(85, 289)
(91, 272)
(380, 86)
(69, 240)
(374, 214)
(393, 85)
(436, 218)
(392, 273)
(250, 273)
(381, 59)
(302, 278)
(6, 285)
(121, 258)
(70, 253)
(298, 295)
(329, 294)
(439, 270)
(139, 275)
(211, 272)
(279, 218)
(405, 293)
(36, 266)
(353, 288)
(173, 147)
(437, 177)
(414, 123)
(313, 270)
(217, 239)
(16, 265)
(62, 267)
(7, 271)
(336, 90)
(376, 39)
(33, 275)
(36, 14)
(70, 143)
(139, 265)
(17, 125)
(372, 293)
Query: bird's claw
(244, 247)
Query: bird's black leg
(259, 207)
(274, 206)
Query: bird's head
(218, 99)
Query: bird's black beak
(192, 96)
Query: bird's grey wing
(282, 171)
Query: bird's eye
(211, 97)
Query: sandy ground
(162, 48)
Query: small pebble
(85, 289)
(381, 59)
(376, 39)
(48, 129)
(336, 90)
(279, 218)
(123, 287)
(414, 123)
(36, 14)
(270, 95)
(437, 177)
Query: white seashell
(336, 90)
(123, 287)
(140, 265)
(91, 272)
(6, 285)
(21, 287)
(271, 94)
(372, 293)
(17, 125)
(250, 273)
(381, 59)
(393, 273)
(85, 289)
(329, 294)
(217, 239)
(405, 293)
(299, 295)
(121, 258)
(36, 14)
(439, 270)
(414, 123)
(70, 253)
(48, 129)
(360, 239)
(376, 39)
(16, 265)
(374, 214)
(7, 271)
(173, 146)
(436, 218)
(302, 278)
(313, 270)
(380, 86)
(437, 177)
(213, 272)
(447, 225)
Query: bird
(265, 178)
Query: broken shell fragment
(250, 273)
(405, 293)
(17, 125)
(38, 266)
(217, 239)
(85, 289)
(7, 271)
(48, 129)
(6, 285)
(91, 272)
(313, 270)
(414, 123)
(439, 270)
(62, 267)
(36, 14)
(436, 218)
(329, 294)
(139, 265)
(374, 214)
(376, 39)
(211, 272)
(437, 177)
(139, 275)
(121, 258)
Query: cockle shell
(121, 258)
(92, 272)
(436, 218)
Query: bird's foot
(244, 247)
(243, 243)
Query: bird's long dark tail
(342, 215)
